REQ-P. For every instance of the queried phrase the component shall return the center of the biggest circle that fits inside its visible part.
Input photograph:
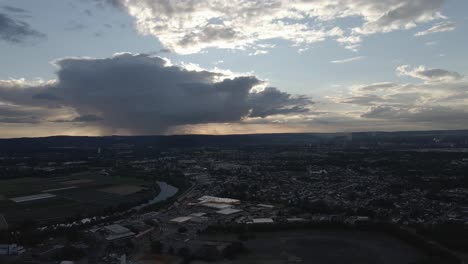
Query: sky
(147, 67)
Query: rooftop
(213, 199)
(180, 219)
(229, 211)
(217, 205)
(262, 220)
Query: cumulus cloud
(433, 114)
(142, 94)
(16, 31)
(428, 75)
(440, 27)
(396, 14)
(271, 101)
(189, 26)
(441, 101)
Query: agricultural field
(323, 246)
(77, 194)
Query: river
(166, 191)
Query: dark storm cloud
(16, 31)
(16, 115)
(80, 119)
(271, 101)
(144, 95)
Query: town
(137, 203)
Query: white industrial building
(116, 232)
(262, 221)
(265, 206)
(180, 219)
(198, 214)
(213, 199)
(218, 206)
(229, 211)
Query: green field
(86, 199)
(26, 186)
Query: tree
(157, 247)
(170, 250)
(184, 252)
(232, 250)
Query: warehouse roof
(213, 199)
(180, 219)
(229, 211)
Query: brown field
(79, 181)
(122, 189)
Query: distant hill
(175, 141)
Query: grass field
(26, 186)
(324, 247)
(91, 193)
(122, 189)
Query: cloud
(258, 52)
(74, 26)
(79, 119)
(347, 60)
(16, 31)
(377, 86)
(428, 75)
(366, 99)
(113, 3)
(142, 94)
(13, 9)
(440, 27)
(440, 102)
(189, 26)
(272, 101)
(398, 15)
(13, 114)
(433, 114)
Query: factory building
(116, 232)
